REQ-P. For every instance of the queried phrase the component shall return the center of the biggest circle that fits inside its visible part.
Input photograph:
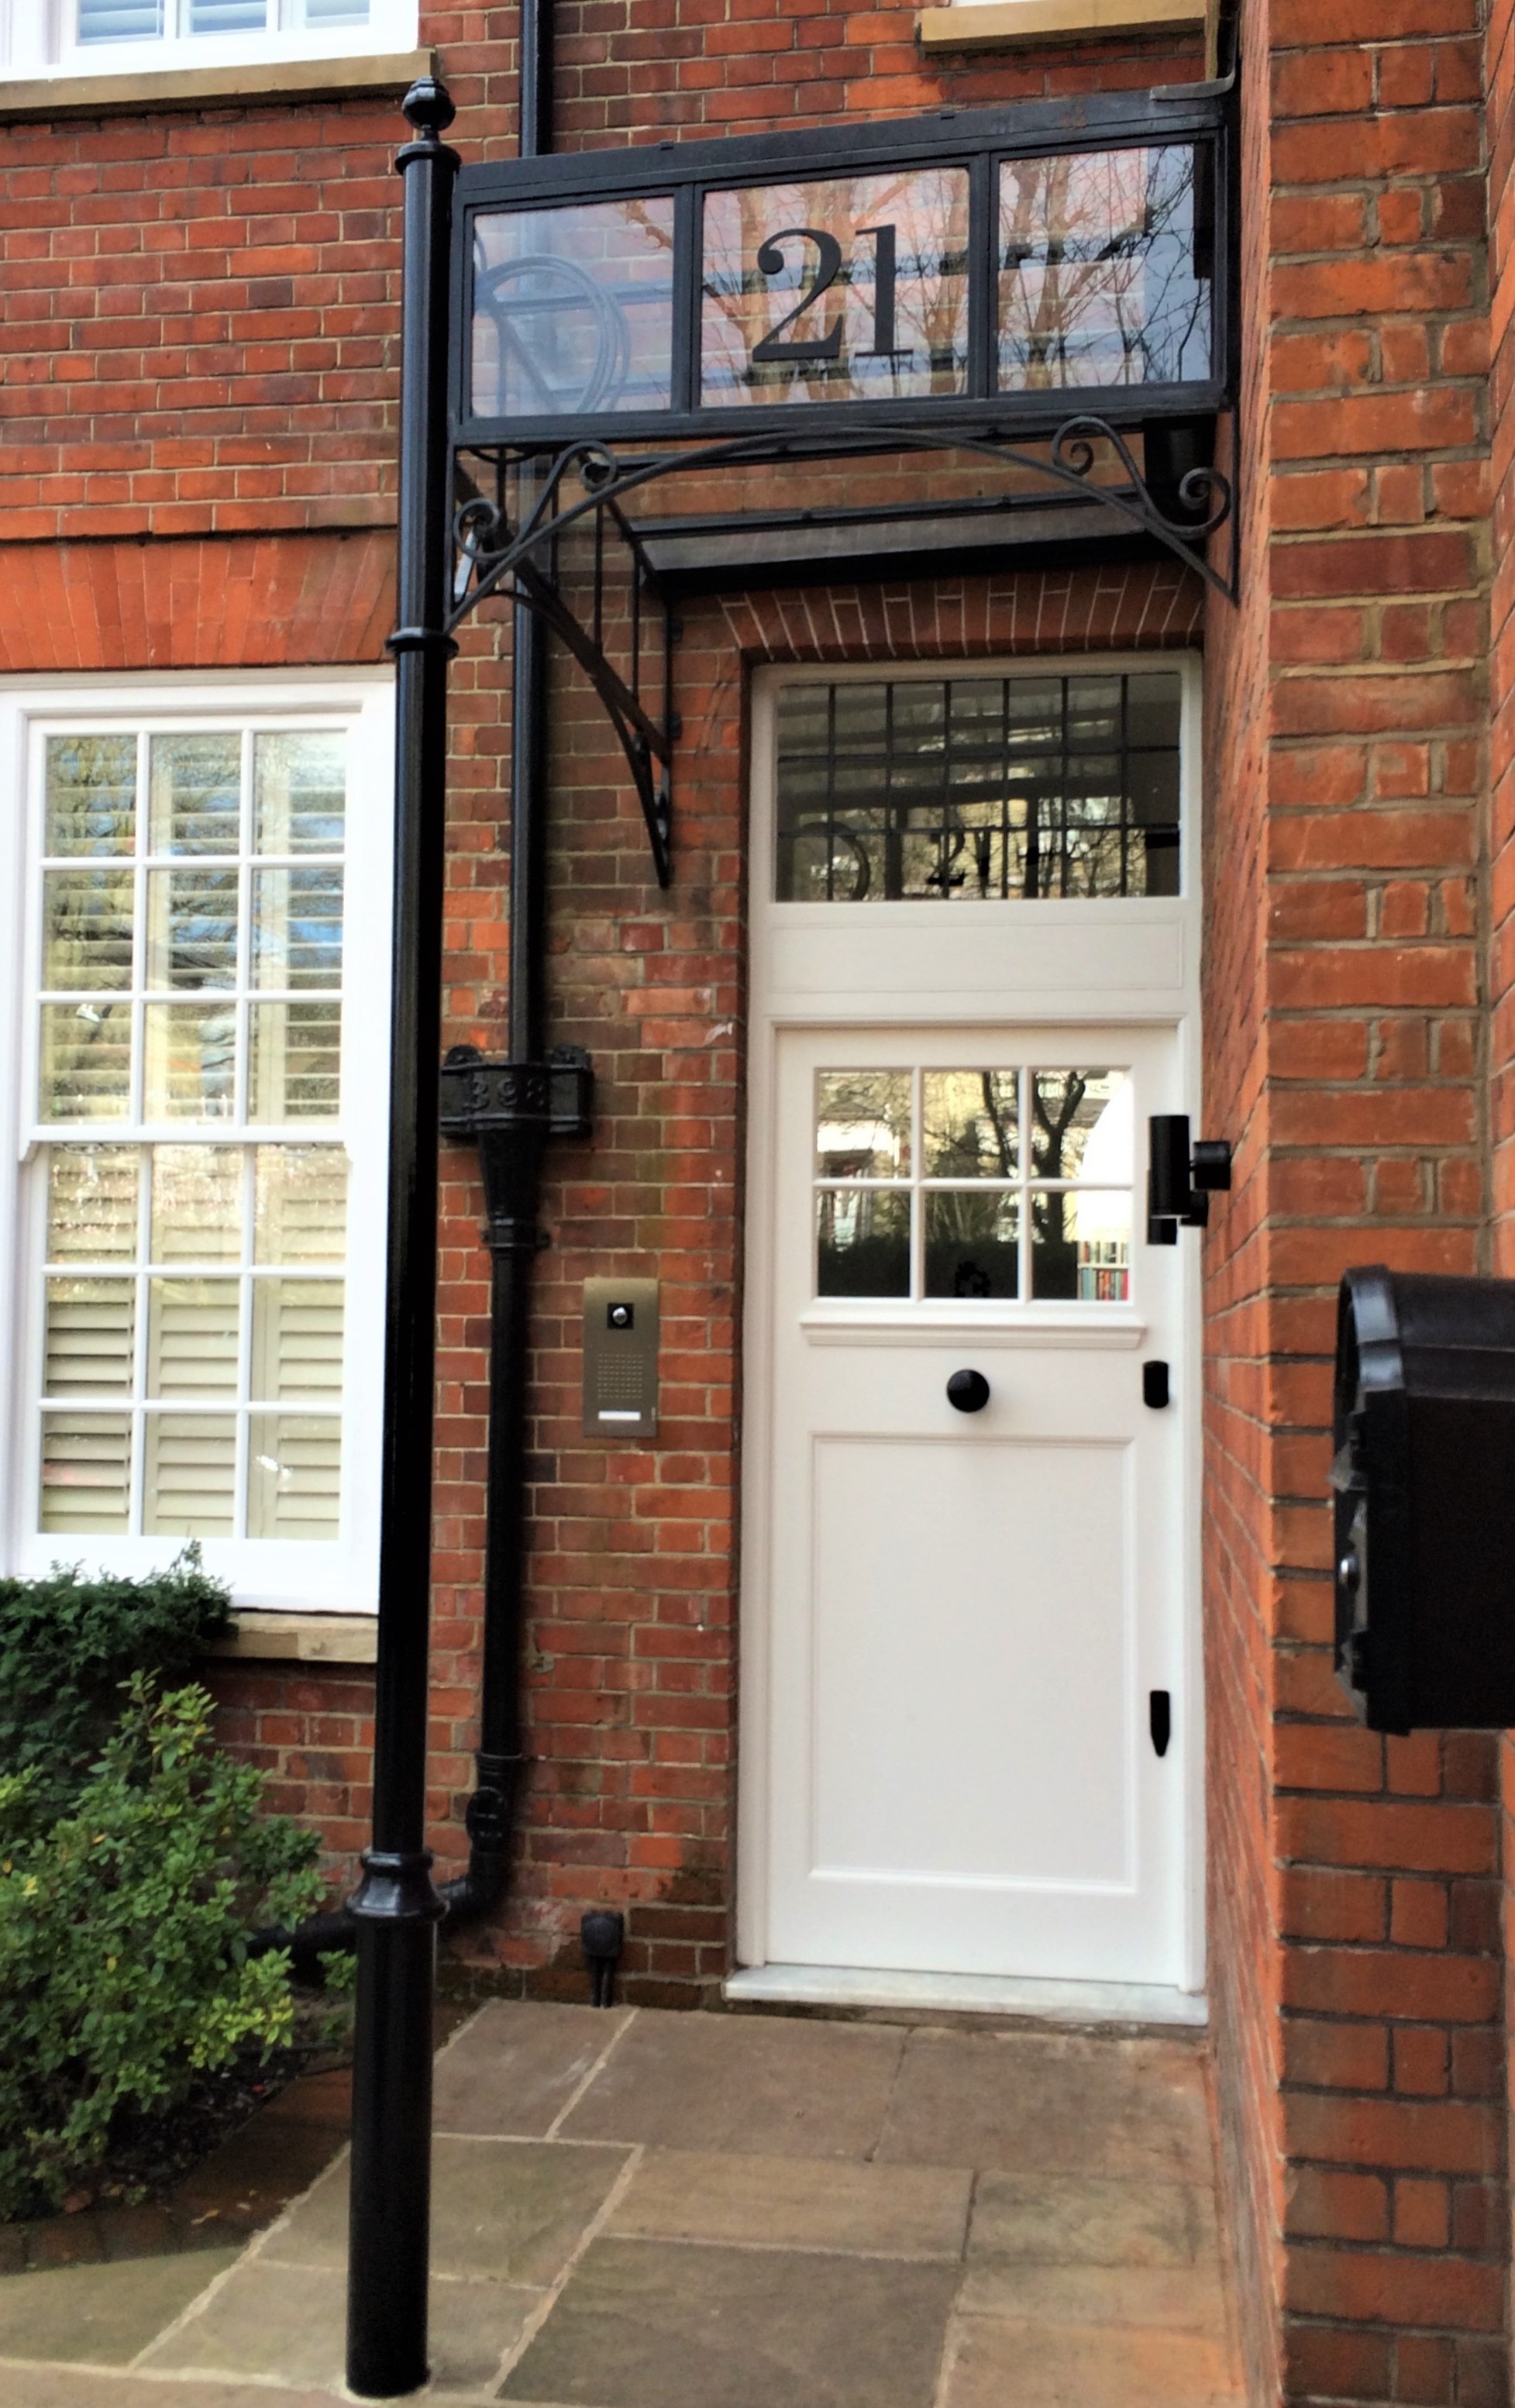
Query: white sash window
(127, 36)
(202, 1070)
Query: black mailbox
(1423, 1486)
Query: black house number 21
(828, 263)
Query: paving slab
(1093, 2219)
(757, 2085)
(796, 2204)
(515, 2067)
(1177, 2299)
(508, 2210)
(289, 2323)
(64, 2387)
(1003, 2365)
(99, 2314)
(644, 2323)
(1050, 2103)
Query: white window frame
(340, 1575)
(39, 38)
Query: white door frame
(1009, 967)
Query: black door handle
(968, 1391)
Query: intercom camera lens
(620, 1316)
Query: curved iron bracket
(517, 560)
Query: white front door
(974, 1602)
(970, 1689)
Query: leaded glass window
(975, 788)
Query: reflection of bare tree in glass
(928, 211)
(1098, 283)
(1055, 1111)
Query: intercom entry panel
(621, 1358)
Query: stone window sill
(1003, 24)
(301, 1639)
(136, 95)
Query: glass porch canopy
(989, 269)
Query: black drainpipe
(511, 1109)
(509, 1106)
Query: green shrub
(124, 1962)
(67, 1644)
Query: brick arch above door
(264, 601)
(1115, 608)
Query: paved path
(643, 2209)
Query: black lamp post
(396, 1908)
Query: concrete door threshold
(998, 1994)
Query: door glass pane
(862, 1241)
(92, 1203)
(979, 789)
(91, 803)
(863, 1123)
(855, 289)
(197, 1203)
(86, 1480)
(1104, 268)
(1080, 1245)
(973, 1242)
(573, 308)
(88, 941)
(1081, 1124)
(971, 1123)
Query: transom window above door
(979, 789)
(975, 1184)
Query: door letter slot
(1160, 1716)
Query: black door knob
(968, 1391)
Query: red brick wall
(1353, 1940)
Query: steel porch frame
(495, 557)
(977, 140)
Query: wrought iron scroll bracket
(516, 561)
(519, 564)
